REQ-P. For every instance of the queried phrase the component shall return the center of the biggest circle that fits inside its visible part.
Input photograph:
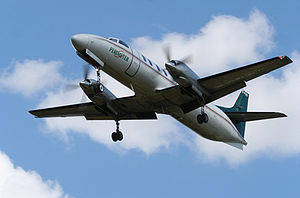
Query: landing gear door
(135, 64)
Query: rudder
(240, 105)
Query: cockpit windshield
(123, 43)
(118, 41)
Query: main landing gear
(203, 117)
(118, 135)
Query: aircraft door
(135, 64)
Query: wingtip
(286, 59)
(280, 115)
(283, 115)
(32, 112)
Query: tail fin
(239, 116)
(240, 105)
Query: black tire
(205, 118)
(114, 136)
(200, 119)
(120, 136)
(101, 88)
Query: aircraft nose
(80, 41)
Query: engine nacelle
(96, 91)
(181, 73)
(185, 77)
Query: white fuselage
(134, 70)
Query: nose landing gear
(118, 135)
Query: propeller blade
(187, 59)
(70, 87)
(167, 52)
(86, 71)
(84, 98)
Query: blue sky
(82, 161)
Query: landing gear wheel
(199, 119)
(114, 136)
(202, 118)
(120, 135)
(117, 136)
(205, 117)
(101, 87)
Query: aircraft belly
(144, 82)
(218, 128)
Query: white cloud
(225, 40)
(15, 182)
(30, 76)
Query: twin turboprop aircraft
(175, 90)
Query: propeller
(71, 87)
(167, 53)
(86, 71)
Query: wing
(252, 116)
(179, 96)
(221, 84)
(99, 112)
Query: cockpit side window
(113, 39)
(123, 43)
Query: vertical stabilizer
(240, 105)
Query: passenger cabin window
(150, 62)
(166, 74)
(144, 58)
(157, 67)
(123, 43)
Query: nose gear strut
(101, 87)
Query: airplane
(175, 90)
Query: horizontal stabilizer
(252, 116)
(236, 145)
